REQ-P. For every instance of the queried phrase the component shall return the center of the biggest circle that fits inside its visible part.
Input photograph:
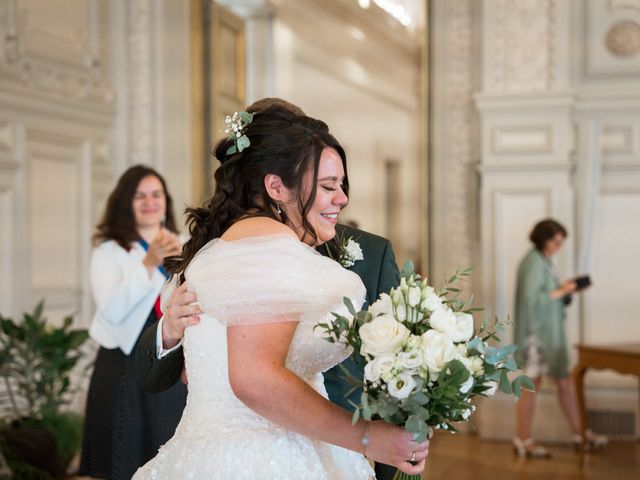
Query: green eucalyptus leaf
(407, 269)
(504, 384)
(243, 142)
(246, 117)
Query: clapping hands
(165, 244)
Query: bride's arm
(260, 379)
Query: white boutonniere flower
(348, 252)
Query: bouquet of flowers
(424, 360)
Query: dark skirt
(125, 426)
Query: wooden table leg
(578, 381)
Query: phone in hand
(583, 282)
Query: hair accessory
(235, 128)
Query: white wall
(557, 96)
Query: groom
(159, 356)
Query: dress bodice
(254, 281)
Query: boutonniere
(346, 251)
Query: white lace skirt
(273, 454)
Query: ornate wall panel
(621, 142)
(611, 35)
(54, 203)
(66, 58)
(609, 310)
(7, 220)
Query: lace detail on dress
(218, 436)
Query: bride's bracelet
(364, 441)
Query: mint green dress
(539, 320)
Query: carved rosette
(623, 39)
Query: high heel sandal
(527, 448)
(590, 441)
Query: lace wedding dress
(257, 280)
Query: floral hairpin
(235, 128)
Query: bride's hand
(395, 446)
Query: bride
(257, 407)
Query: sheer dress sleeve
(269, 279)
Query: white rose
(409, 361)
(474, 364)
(382, 335)
(430, 300)
(466, 414)
(403, 285)
(437, 350)
(414, 296)
(353, 250)
(456, 325)
(493, 386)
(401, 386)
(379, 367)
(381, 306)
(466, 386)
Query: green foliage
(36, 361)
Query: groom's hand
(181, 313)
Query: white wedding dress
(257, 280)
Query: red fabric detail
(156, 307)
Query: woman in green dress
(540, 336)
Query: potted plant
(39, 435)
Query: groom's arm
(156, 374)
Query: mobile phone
(583, 281)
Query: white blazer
(123, 292)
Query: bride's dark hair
(284, 142)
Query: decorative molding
(38, 58)
(560, 165)
(7, 137)
(609, 42)
(524, 55)
(453, 181)
(53, 252)
(503, 247)
(623, 38)
(7, 221)
(617, 139)
(514, 102)
(615, 5)
(527, 139)
(140, 81)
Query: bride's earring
(278, 209)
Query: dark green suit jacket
(378, 272)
